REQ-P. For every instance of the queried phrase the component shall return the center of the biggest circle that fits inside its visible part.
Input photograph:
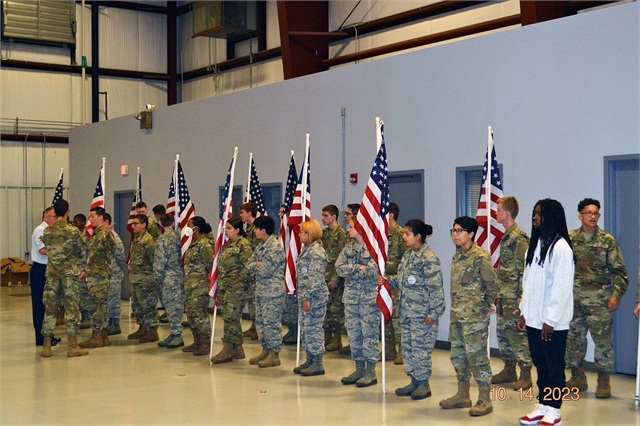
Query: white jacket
(547, 291)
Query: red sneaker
(534, 417)
(552, 418)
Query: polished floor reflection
(141, 384)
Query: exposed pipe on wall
(95, 63)
(83, 88)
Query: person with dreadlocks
(547, 307)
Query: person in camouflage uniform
(421, 303)
(65, 251)
(333, 241)
(290, 312)
(313, 294)
(473, 290)
(362, 315)
(168, 273)
(153, 229)
(118, 264)
(144, 290)
(600, 281)
(233, 286)
(248, 213)
(98, 274)
(198, 260)
(267, 266)
(397, 248)
(514, 347)
(80, 222)
(350, 213)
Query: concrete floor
(141, 384)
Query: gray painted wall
(559, 95)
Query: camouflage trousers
(115, 294)
(85, 299)
(599, 321)
(173, 300)
(269, 321)
(469, 351)
(311, 324)
(65, 292)
(290, 312)
(393, 328)
(98, 302)
(417, 346)
(144, 298)
(514, 346)
(232, 300)
(334, 319)
(251, 300)
(363, 329)
(196, 306)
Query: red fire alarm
(353, 178)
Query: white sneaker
(534, 417)
(552, 418)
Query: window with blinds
(468, 186)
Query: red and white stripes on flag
(184, 207)
(225, 214)
(254, 193)
(488, 205)
(171, 199)
(137, 197)
(372, 221)
(289, 193)
(300, 212)
(98, 199)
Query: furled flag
(58, 194)
(254, 193)
(488, 205)
(300, 212)
(373, 219)
(225, 214)
(137, 197)
(289, 193)
(98, 199)
(184, 207)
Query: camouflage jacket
(198, 260)
(119, 260)
(396, 249)
(153, 228)
(167, 260)
(513, 249)
(86, 241)
(270, 274)
(101, 249)
(65, 249)
(233, 258)
(473, 285)
(419, 280)
(361, 286)
(599, 262)
(250, 233)
(141, 259)
(333, 241)
(310, 272)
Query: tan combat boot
(192, 347)
(238, 352)
(46, 347)
(272, 360)
(578, 379)
(335, 343)
(105, 337)
(139, 332)
(95, 341)
(460, 400)
(604, 386)
(256, 359)
(328, 336)
(507, 375)
(525, 381)
(251, 332)
(150, 336)
(74, 350)
(225, 355)
(484, 405)
(399, 360)
(203, 348)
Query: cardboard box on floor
(15, 272)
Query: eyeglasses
(593, 214)
(457, 231)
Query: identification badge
(411, 280)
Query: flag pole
(135, 198)
(638, 372)
(247, 191)
(176, 213)
(304, 213)
(384, 367)
(213, 331)
(488, 230)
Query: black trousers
(548, 357)
(37, 281)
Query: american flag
(98, 199)
(171, 199)
(491, 190)
(289, 193)
(184, 209)
(373, 220)
(137, 197)
(300, 212)
(225, 215)
(254, 190)
(58, 194)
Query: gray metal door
(622, 207)
(121, 210)
(406, 189)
